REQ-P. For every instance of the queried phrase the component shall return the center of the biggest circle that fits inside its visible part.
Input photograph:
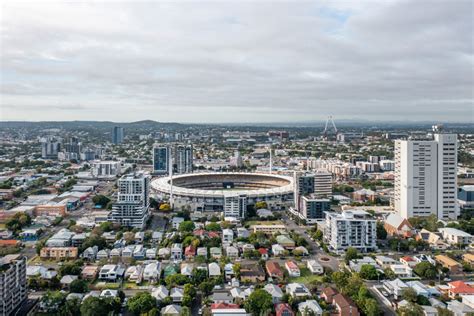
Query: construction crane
(326, 129)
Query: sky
(237, 61)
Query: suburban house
(111, 272)
(252, 273)
(297, 290)
(292, 269)
(449, 263)
(275, 291)
(274, 270)
(315, 267)
(344, 305)
(283, 309)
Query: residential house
(202, 251)
(177, 294)
(89, 272)
(227, 236)
(423, 290)
(186, 269)
(278, 250)
(315, 267)
(455, 236)
(275, 291)
(285, 241)
(274, 270)
(176, 221)
(164, 253)
(150, 253)
(139, 252)
(189, 252)
(297, 290)
(459, 288)
(468, 258)
(232, 252)
(156, 237)
(328, 293)
(408, 261)
(292, 268)
(171, 310)
(263, 253)
(176, 252)
(345, 306)
(66, 280)
(90, 253)
(242, 232)
(401, 270)
(152, 271)
(395, 287)
(283, 309)
(216, 252)
(214, 269)
(127, 252)
(310, 307)
(435, 239)
(251, 273)
(449, 263)
(103, 254)
(111, 272)
(160, 293)
(222, 297)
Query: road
(323, 258)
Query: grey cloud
(254, 60)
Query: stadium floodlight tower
(171, 179)
(271, 160)
(326, 127)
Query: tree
(186, 226)
(79, 286)
(381, 232)
(340, 279)
(213, 227)
(351, 254)
(409, 295)
(318, 235)
(18, 221)
(101, 200)
(425, 270)
(368, 272)
(165, 207)
(259, 302)
(371, 307)
(444, 312)
(141, 303)
(411, 309)
(52, 301)
(260, 205)
(72, 307)
(94, 306)
(71, 268)
(94, 240)
(106, 226)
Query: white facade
(132, 207)
(235, 206)
(183, 159)
(105, 169)
(425, 177)
(322, 183)
(350, 229)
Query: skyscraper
(161, 157)
(132, 206)
(323, 183)
(50, 147)
(183, 159)
(426, 177)
(117, 135)
(13, 289)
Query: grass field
(306, 277)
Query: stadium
(227, 191)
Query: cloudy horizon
(237, 61)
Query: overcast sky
(237, 61)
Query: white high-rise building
(354, 229)
(235, 206)
(13, 287)
(132, 206)
(426, 177)
(105, 169)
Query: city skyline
(237, 62)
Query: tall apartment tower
(13, 288)
(132, 206)
(426, 177)
(322, 184)
(235, 206)
(183, 159)
(161, 158)
(50, 148)
(117, 135)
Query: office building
(13, 288)
(72, 146)
(322, 184)
(354, 229)
(117, 135)
(50, 148)
(235, 206)
(466, 196)
(132, 206)
(161, 158)
(425, 177)
(183, 159)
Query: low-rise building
(292, 268)
(449, 263)
(455, 236)
(59, 253)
